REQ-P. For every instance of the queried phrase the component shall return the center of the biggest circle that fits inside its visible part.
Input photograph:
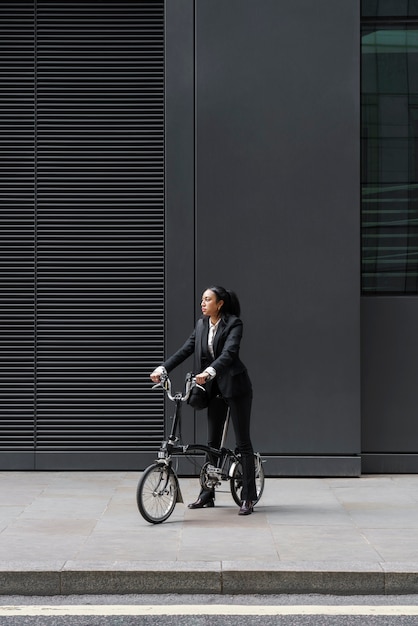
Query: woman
(215, 343)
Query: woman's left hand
(202, 378)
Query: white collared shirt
(211, 338)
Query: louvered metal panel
(100, 227)
(16, 226)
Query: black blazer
(231, 373)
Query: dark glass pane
(389, 8)
(390, 158)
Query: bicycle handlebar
(189, 383)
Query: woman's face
(210, 305)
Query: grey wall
(277, 213)
(389, 389)
(180, 187)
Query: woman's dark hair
(231, 305)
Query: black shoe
(246, 508)
(202, 503)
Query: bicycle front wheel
(156, 494)
(236, 480)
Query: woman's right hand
(156, 374)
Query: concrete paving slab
(393, 545)
(313, 543)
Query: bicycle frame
(170, 447)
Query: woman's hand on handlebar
(156, 374)
(202, 378)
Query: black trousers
(240, 411)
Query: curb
(222, 578)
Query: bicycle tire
(236, 480)
(157, 492)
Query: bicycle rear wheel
(156, 494)
(236, 480)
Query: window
(389, 147)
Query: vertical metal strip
(35, 228)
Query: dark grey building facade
(153, 148)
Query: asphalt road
(286, 610)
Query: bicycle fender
(232, 469)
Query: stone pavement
(81, 533)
